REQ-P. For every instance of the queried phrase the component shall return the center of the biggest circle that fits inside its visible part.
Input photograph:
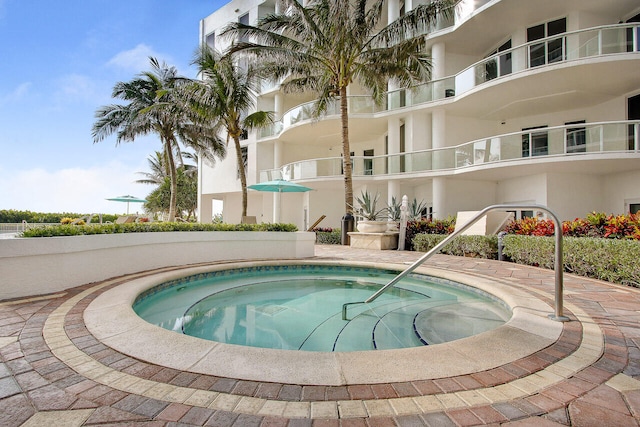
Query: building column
(439, 186)
(438, 140)
(277, 163)
(393, 145)
(393, 10)
(393, 190)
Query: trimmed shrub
(328, 236)
(75, 230)
(612, 260)
(428, 226)
(476, 246)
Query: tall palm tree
(330, 44)
(154, 105)
(225, 95)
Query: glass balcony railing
(576, 45)
(568, 141)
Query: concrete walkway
(54, 372)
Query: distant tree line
(13, 216)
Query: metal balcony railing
(563, 48)
(570, 142)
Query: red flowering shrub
(594, 225)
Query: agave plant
(367, 206)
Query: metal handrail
(558, 264)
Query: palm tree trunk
(346, 151)
(242, 173)
(171, 164)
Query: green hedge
(333, 237)
(615, 261)
(14, 216)
(77, 230)
(478, 246)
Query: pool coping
(111, 319)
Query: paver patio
(54, 372)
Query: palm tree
(158, 167)
(226, 93)
(155, 105)
(330, 44)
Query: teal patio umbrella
(128, 199)
(279, 186)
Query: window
(244, 20)
(535, 143)
(576, 138)
(521, 214)
(402, 147)
(499, 66)
(210, 40)
(551, 50)
(368, 163)
(634, 208)
(633, 113)
(630, 34)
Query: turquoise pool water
(299, 307)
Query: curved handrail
(558, 264)
(599, 138)
(475, 74)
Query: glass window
(557, 27)
(535, 143)
(634, 208)
(368, 163)
(210, 40)
(576, 138)
(535, 33)
(550, 51)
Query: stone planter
(366, 226)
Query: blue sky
(59, 62)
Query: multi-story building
(530, 102)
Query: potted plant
(394, 211)
(372, 217)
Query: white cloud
(17, 94)
(74, 190)
(136, 59)
(75, 87)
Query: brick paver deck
(54, 372)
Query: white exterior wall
(620, 189)
(36, 266)
(475, 115)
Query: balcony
(570, 48)
(553, 144)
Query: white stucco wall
(35, 266)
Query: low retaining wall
(42, 265)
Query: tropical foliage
(428, 226)
(187, 195)
(367, 207)
(595, 224)
(155, 104)
(225, 95)
(328, 45)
